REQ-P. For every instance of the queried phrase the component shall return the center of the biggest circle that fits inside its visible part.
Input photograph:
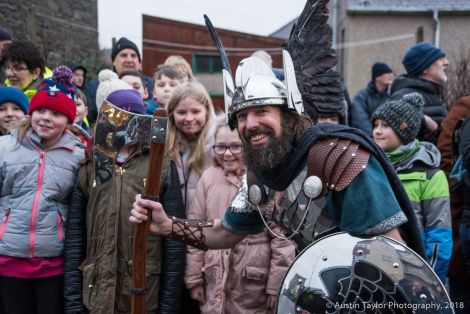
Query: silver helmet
(256, 85)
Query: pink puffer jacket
(238, 281)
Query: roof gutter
(437, 27)
(334, 23)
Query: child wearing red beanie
(39, 165)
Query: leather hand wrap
(189, 231)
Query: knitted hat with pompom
(109, 82)
(57, 93)
(403, 115)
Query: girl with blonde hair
(190, 134)
(189, 144)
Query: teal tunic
(367, 206)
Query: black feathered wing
(310, 46)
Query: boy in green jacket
(396, 124)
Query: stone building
(383, 30)
(64, 30)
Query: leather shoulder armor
(336, 162)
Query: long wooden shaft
(139, 253)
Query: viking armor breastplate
(300, 216)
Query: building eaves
(407, 6)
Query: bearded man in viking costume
(310, 180)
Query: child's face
(49, 125)
(163, 88)
(190, 116)
(82, 110)
(334, 120)
(385, 136)
(10, 115)
(232, 159)
(78, 77)
(136, 83)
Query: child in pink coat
(245, 279)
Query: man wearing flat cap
(371, 97)
(125, 56)
(425, 66)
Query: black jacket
(434, 106)
(368, 99)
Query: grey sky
(118, 18)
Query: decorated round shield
(344, 274)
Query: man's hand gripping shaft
(188, 231)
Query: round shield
(344, 274)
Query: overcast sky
(123, 18)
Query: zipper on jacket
(4, 223)
(37, 196)
(120, 170)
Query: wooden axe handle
(139, 252)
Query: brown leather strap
(336, 162)
(189, 231)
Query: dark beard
(271, 155)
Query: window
(206, 63)
(419, 34)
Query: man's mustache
(262, 129)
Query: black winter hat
(419, 57)
(403, 115)
(380, 68)
(121, 44)
(5, 35)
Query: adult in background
(24, 67)
(425, 66)
(371, 97)
(79, 76)
(125, 56)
